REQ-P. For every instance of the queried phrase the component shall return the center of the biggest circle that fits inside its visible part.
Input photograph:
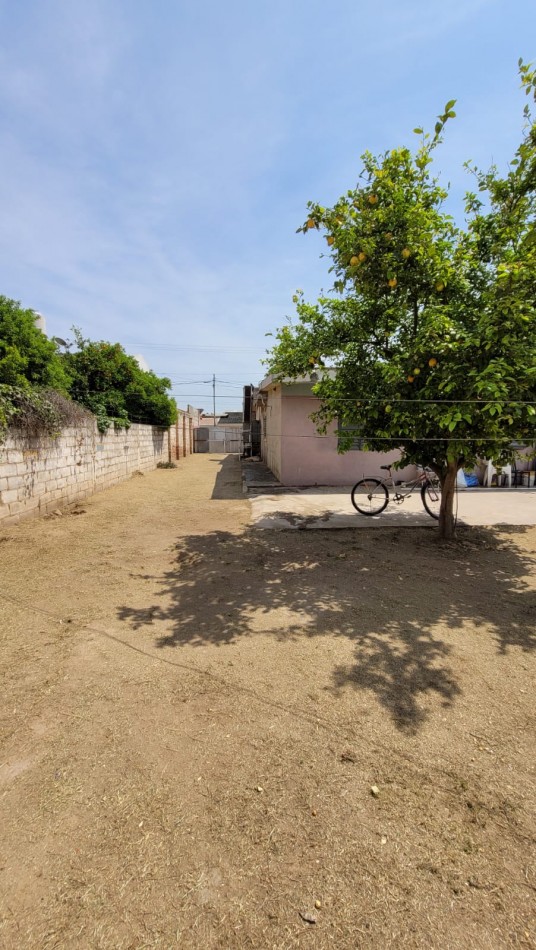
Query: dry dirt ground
(194, 713)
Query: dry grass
(194, 715)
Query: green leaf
(418, 131)
(450, 104)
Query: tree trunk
(447, 524)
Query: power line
(184, 378)
(395, 439)
(364, 400)
(205, 395)
(192, 346)
(195, 382)
(189, 382)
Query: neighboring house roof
(310, 378)
(232, 418)
(225, 419)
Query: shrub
(27, 356)
(112, 385)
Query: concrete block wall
(39, 475)
(182, 435)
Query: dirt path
(194, 713)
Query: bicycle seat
(386, 467)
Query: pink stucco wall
(308, 458)
(298, 455)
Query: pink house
(293, 449)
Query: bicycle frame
(400, 496)
(370, 496)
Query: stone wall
(41, 475)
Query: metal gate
(213, 439)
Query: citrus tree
(430, 327)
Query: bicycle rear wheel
(370, 496)
(431, 499)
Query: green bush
(98, 376)
(27, 356)
(114, 387)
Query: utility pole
(214, 397)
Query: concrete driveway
(332, 508)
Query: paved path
(332, 508)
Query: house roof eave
(311, 378)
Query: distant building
(40, 321)
(229, 420)
(221, 433)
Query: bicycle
(370, 496)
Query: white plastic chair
(507, 470)
(491, 471)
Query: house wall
(308, 458)
(41, 475)
(271, 432)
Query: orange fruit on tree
(393, 282)
(373, 199)
(406, 253)
(440, 285)
(354, 261)
(416, 371)
(410, 379)
(330, 239)
(432, 362)
(310, 223)
(362, 256)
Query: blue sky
(156, 157)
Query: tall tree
(112, 385)
(431, 326)
(27, 356)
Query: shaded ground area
(194, 712)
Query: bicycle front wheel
(431, 499)
(370, 496)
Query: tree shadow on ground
(392, 594)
